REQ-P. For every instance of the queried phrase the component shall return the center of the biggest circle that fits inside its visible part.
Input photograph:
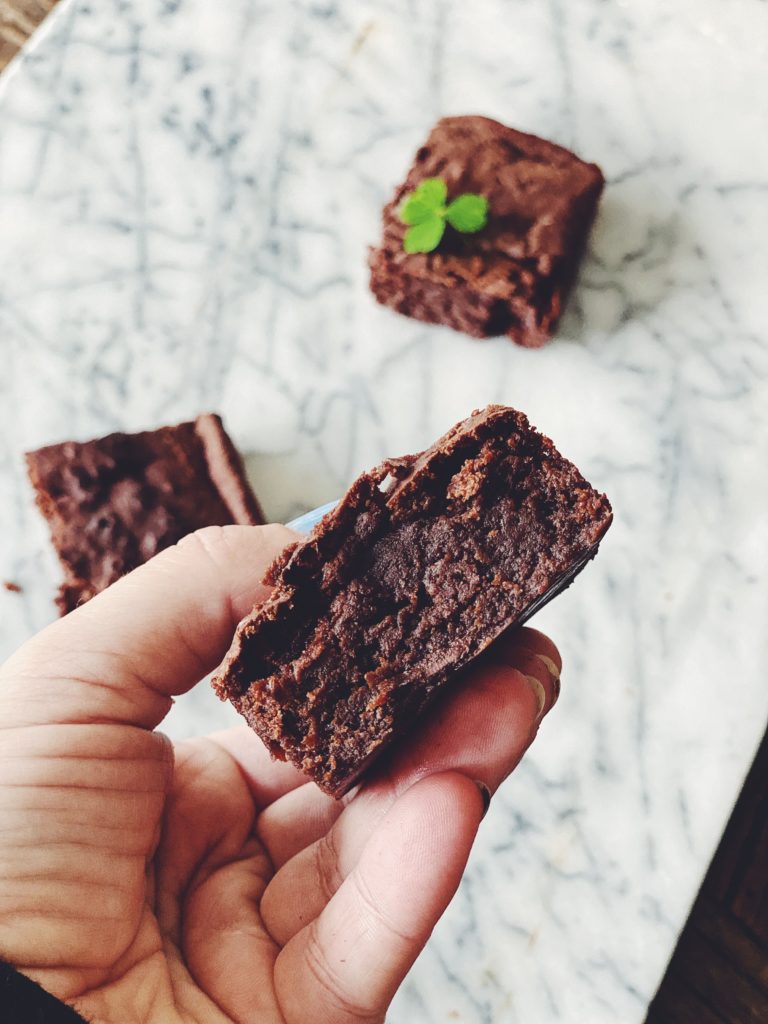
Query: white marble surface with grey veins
(187, 190)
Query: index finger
(479, 729)
(124, 655)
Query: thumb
(151, 636)
(349, 962)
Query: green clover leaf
(415, 211)
(468, 213)
(432, 191)
(425, 212)
(424, 237)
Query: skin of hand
(144, 883)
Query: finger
(481, 730)
(540, 672)
(148, 637)
(208, 820)
(348, 963)
(485, 724)
(287, 827)
(537, 641)
(79, 824)
(300, 818)
(226, 948)
(266, 778)
(541, 647)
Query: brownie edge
(227, 471)
(424, 562)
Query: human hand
(147, 884)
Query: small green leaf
(426, 214)
(432, 191)
(468, 213)
(426, 236)
(414, 210)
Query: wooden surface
(719, 971)
(18, 20)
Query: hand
(144, 884)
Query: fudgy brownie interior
(425, 561)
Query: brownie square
(513, 276)
(424, 563)
(114, 502)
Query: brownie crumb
(424, 563)
(14, 588)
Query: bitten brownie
(113, 503)
(513, 276)
(422, 564)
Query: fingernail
(485, 793)
(550, 666)
(555, 689)
(553, 670)
(541, 695)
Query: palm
(167, 913)
(216, 886)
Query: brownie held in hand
(512, 274)
(113, 503)
(424, 563)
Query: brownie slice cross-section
(425, 561)
(114, 502)
(513, 276)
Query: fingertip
(534, 654)
(540, 673)
(542, 644)
(525, 683)
(452, 792)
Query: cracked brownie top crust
(512, 277)
(114, 502)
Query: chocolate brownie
(423, 563)
(113, 503)
(512, 277)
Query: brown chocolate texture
(113, 503)
(424, 562)
(513, 276)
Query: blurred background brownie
(113, 503)
(512, 277)
(403, 584)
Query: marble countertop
(187, 191)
